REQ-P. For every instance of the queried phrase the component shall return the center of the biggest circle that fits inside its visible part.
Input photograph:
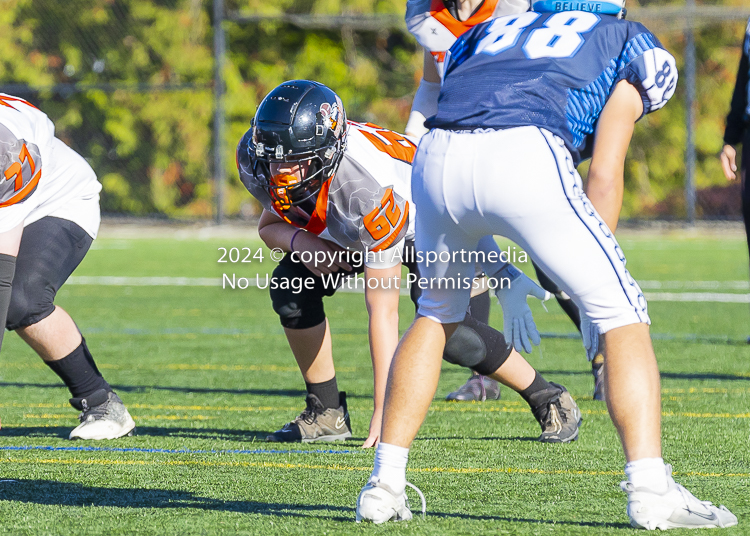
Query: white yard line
(115, 281)
(694, 285)
(715, 297)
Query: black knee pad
(297, 310)
(51, 248)
(476, 346)
(30, 301)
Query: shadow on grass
(471, 517)
(60, 432)
(225, 434)
(49, 492)
(146, 388)
(664, 375)
(204, 433)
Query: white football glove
(518, 322)
(590, 336)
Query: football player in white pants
(436, 28)
(521, 97)
(49, 205)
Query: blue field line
(688, 337)
(174, 451)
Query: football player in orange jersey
(334, 188)
(49, 216)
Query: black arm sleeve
(7, 270)
(736, 119)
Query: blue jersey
(550, 70)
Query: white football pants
(519, 183)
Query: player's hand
(309, 242)
(590, 336)
(518, 322)
(728, 157)
(373, 437)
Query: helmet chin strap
(453, 5)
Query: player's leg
(325, 417)
(566, 303)
(571, 309)
(483, 349)
(415, 369)
(51, 249)
(478, 387)
(565, 235)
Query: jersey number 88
(560, 38)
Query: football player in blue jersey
(524, 98)
(437, 25)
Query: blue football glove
(518, 322)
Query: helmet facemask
(294, 195)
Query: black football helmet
(300, 128)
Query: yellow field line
(707, 415)
(703, 390)
(233, 368)
(339, 467)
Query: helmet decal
(332, 116)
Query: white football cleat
(677, 508)
(377, 503)
(103, 416)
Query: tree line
(129, 85)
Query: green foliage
(96, 66)
(655, 170)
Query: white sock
(390, 466)
(649, 473)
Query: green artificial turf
(206, 372)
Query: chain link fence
(130, 84)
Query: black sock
(479, 307)
(538, 393)
(327, 392)
(79, 372)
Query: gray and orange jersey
(368, 206)
(40, 175)
(430, 22)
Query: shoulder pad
(650, 68)
(21, 167)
